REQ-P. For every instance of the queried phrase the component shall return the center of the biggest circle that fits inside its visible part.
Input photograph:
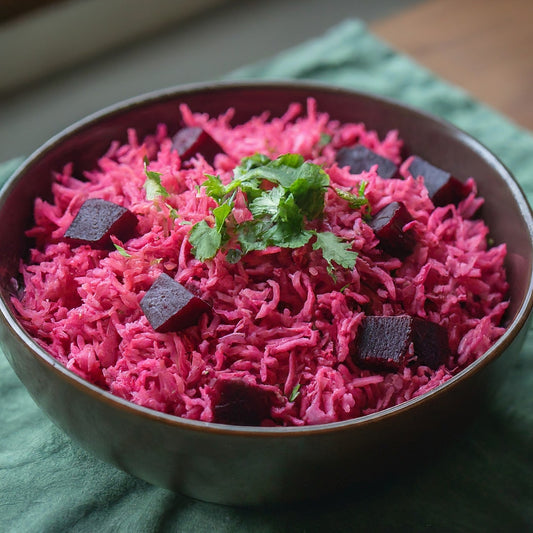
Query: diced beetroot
(190, 141)
(240, 403)
(443, 188)
(383, 342)
(97, 220)
(360, 158)
(169, 306)
(430, 342)
(390, 343)
(388, 226)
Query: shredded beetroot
(280, 323)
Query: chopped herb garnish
(233, 256)
(294, 393)
(355, 200)
(205, 240)
(172, 212)
(152, 185)
(214, 188)
(121, 250)
(325, 138)
(334, 250)
(221, 214)
(282, 195)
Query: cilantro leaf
(282, 195)
(281, 220)
(309, 191)
(152, 184)
(295, 392)
(249, 163)
(335, 250)
(251, 235)
(221, 214)
(325, 138)
(289, 212)
(355, 200)
(122, 251)
(233, 256)
(172, 212)
(214, 188)
(281, 171)
(284, 235)
(205, 240)
(306, 182)
(284, 170)
(267, 203)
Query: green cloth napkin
(482, 481)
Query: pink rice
(278, 318)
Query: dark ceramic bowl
(252, 465)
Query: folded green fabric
(483, 481)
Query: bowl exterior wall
(226, 468)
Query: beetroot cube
(359, 159)
(430, 342)
(240, 403)
(97, 220)
(388, 226)
(443, 188)
(383, 342)
(190, 141)
(169, 306)
(389, 343)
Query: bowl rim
(174, 92)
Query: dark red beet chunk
(430, 342)
(169, 306)
(97, 220)
(241, 404)
(443, 188)
(360, 158)
(384, 343)
(388, 227)
(190, 141)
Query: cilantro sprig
(294, 393)
(155, 190)
(152, 184)
(355, 200)
(121, 250)
(283, 195)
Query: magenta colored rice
(278, 318)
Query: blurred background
(63, 59)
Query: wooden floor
(484, 46)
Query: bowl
(263, 465)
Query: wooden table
(484, 46)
